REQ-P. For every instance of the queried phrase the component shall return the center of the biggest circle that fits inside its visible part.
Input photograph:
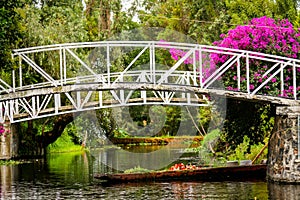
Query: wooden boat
(233, 173)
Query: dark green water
(71, 176)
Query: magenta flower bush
(264, 35)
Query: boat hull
(234, 173)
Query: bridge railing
(64, 78)
(235, 72)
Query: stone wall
(283, 160)
(8, 142)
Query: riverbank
(192, 140)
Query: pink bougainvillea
(264, 35)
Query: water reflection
(70, 176)
(284, 191)
(191, 190)
(8, 174)
(71, 167)
(148, 157)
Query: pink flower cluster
(176, 54)
(208, 64)
(2, 130)
(265, 35)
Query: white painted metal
(20, 101)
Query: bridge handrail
(96, 78)
(236, 54)
(160, 44)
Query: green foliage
(241, 150)
(61, 3)
(205, 20)
(254, 150)
(137, 169)
(104, 18)
(287, 9)
(52, 25)
(243, 11)
(10, 31)
(245, 151)
(148, 121)
(121, 133)
(207, 154)
(210, 138)
(11, 162)
(205, 117)
(247, 118)
(197, 19)
(63, 144)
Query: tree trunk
(59, 125)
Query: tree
(54, 22)
(63, 21)
(10, 32)
(196, 19)
(240, 11)
(287, 9)
(208, 20)
(105, 18)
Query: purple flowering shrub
(264, 35)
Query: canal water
(71, 176)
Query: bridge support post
(284, 152)
(8, 142)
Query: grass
(63, 149)
(64, 144)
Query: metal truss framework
(137, 84)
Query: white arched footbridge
(57, 79)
